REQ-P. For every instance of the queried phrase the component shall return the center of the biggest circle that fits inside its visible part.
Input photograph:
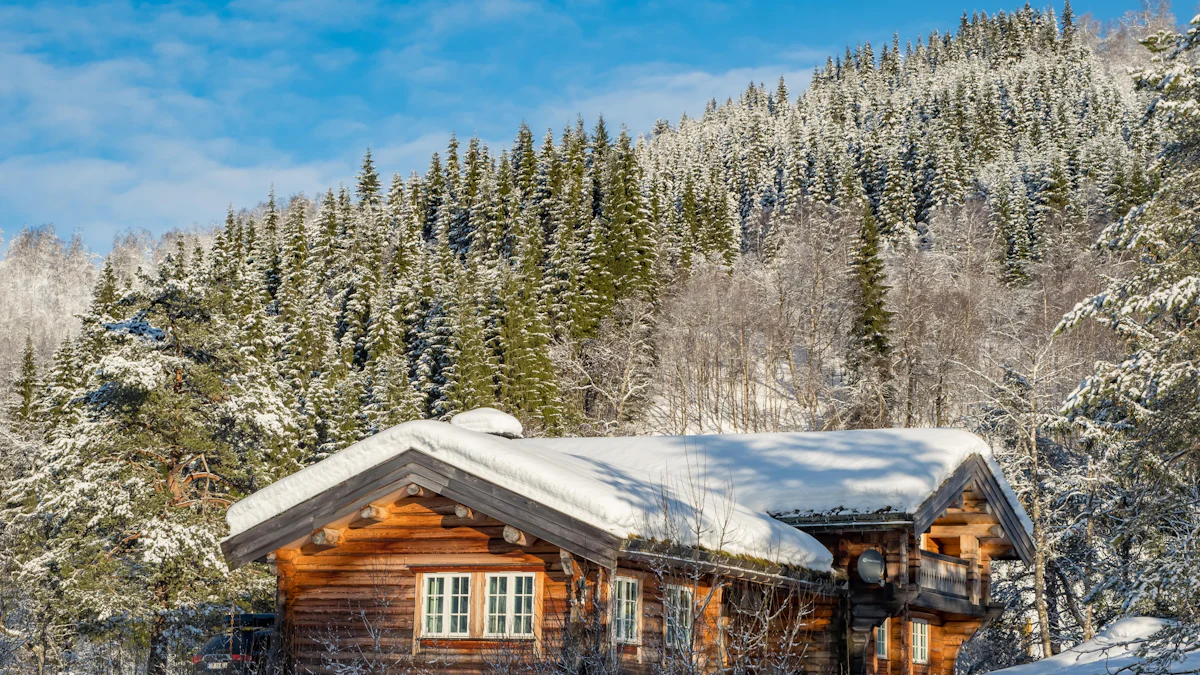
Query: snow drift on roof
(1112, 651)
(591, 489)
(866, 471)
(489, 421)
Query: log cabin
(462, 547)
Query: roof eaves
(675, 557)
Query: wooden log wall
(351, 593)
(901, 549)
(358, 599)
(946, 638)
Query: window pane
(625, 609)
(679, 616)
(435, 588)
(497, 608)
(522, 605)
(920, 642)
(881, 640)
(460, 605)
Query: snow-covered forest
(983, 228)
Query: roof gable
(977, 471)
(590, 494)
(413, 467)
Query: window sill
(474, 642)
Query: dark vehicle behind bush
(242, 649)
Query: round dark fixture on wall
(871, 566)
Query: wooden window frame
(882, 635)
(445, 634)
(619, 605)
(509, 606)
(923, 658)
(678, 590)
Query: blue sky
(116, 116)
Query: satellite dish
(871, 566)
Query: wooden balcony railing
(946, 575)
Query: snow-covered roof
(603, 494)
(863, 471)
(733, 483)
(1113, 650)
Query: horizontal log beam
(370, 514)
(976, 530)
(516, 537)
(322, 540)
(967, 518)
(464, 512)
(414, 490)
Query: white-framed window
(447, 605)
(881, 639)
(509, 605)
(626, 597)
(677, 605)
(920, 641)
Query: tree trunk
(156, 660)
(1039, 534)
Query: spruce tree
(868, 357)
(1138, 411)
(472, 383)
(26, 385)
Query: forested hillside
(895, 246)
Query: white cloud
(165, 184)
(440, 18)
(114, 117)
(335, 59)
(412, 154)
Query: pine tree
(368, 182)
(1140, 410)
(1068, 23)
(528, 382)
(868, 357)
(140, 462)
(266, 247)
(1009, 217)
(629, 235)
(473, 382)
(26, 385)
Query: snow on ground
(605, 495)
(1113, 650)
(867, 471)
(489, 421)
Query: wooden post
(573, 599)
(282, 645)
(969, 547)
